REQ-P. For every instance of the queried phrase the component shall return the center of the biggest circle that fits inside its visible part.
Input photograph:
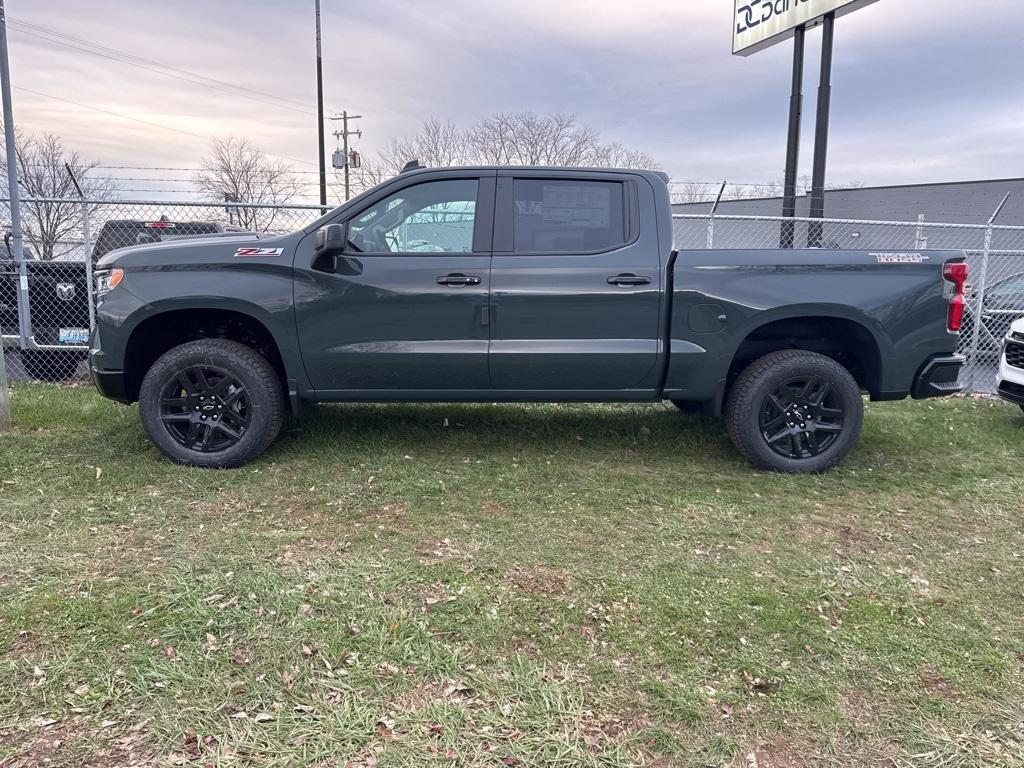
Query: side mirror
(328, 242)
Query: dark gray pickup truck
(519, 284)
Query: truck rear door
(575, 283)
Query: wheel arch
(851, 338)
(166, 327)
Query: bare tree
(236, 171)
(505, 138)
(51, 211)
(692, 192)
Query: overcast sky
(924, 90)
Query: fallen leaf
(99, 472)
(263, 717)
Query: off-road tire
(262, 390)
(762, 379)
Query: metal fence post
(920, 241)
(979, 309)
(711, 218)
(90, 286)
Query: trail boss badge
(248, 253)
(901, 258)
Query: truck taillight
(956, 273)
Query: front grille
(1011, 391)
(1015, 354)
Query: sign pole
(796, 108)
(814, 236)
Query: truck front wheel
(795, 411)
(211, 403)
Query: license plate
(73, 336)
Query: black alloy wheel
(802, 418)
(205, 408)
(794, 411)
(212, 403)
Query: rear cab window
(568, 215)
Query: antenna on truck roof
(413, 165)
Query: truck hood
(206, 248)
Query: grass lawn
(510, 585)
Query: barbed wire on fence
(59, 297)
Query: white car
(1011, 367)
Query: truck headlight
(108, 281)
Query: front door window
(434, 217)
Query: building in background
(957, 202)
(963, 203)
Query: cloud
(924, 89)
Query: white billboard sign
(759, 24)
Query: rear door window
(568, 216)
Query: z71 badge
(247, 253)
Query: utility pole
(343, 135)
(12, 187)
(320, 111)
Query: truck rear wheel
(795, 411)
(211, 403)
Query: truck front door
(575, 284)
(406, 309)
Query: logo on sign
(249, 253)
(65, 291)
(757, 12)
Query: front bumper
(939, 378)
(109, 383)
(1010, 381)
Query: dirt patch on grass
(27, 645)
(421, 696)
(78, 742)
(781, 753)
(435, 551)
(540, 581)
(495, 509)
(306, 552)
(932, 681)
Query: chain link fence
(47, 307)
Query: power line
(123, 57)
(138, 119)
(110, 112)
